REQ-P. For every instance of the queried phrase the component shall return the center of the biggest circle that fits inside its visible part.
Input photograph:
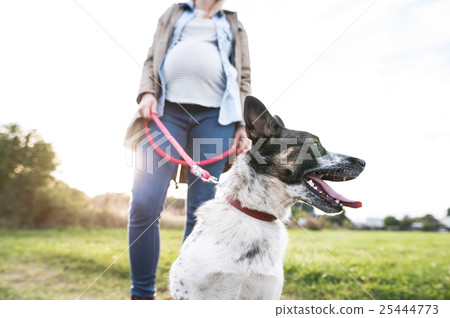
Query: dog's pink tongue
(335, 195)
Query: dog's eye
(318, 146)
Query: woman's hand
(148, 104)
(241, 141)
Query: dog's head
(298, 159)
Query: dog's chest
(259, 252)
(241, 248)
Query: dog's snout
(361, 162)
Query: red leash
(195, 166)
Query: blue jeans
(151, 183)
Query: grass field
(55, 264)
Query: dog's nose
(362, 162)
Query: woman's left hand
(241, 141)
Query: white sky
(381, 93)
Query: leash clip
(204, 175)
(211, 179)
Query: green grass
(54, 264)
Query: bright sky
(381, 92)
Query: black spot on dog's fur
(251, 253)
(251, 179)
(264, 183)
(181, 283)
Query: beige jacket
(239, 58)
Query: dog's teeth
(341, 204)
(345, 178)
(337, 201)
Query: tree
(430, 223)
(391, 222)
(24, 157)
(448, 212)
(26, 164)
(405, 223)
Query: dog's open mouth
(315, 182)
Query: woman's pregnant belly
(195, 67)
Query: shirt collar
(189, 5)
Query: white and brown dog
(236, 248)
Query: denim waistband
(190, 107)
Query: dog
(236, 248)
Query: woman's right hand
(148, 104)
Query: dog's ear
(258, 121)
(279, 121)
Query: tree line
(423, 223)
(30, 197)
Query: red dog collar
(263, 216)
